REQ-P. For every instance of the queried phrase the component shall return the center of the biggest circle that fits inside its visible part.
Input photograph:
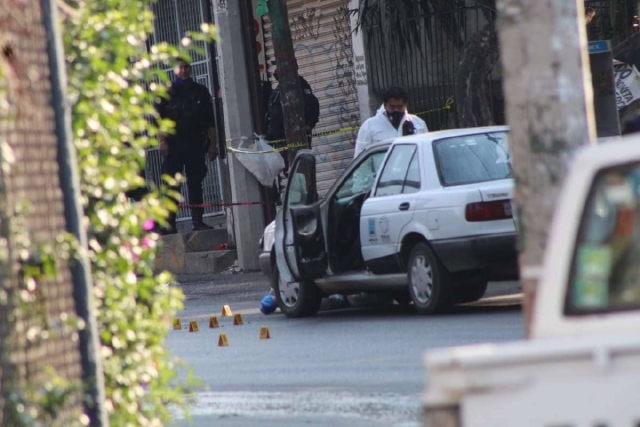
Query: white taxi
(428, 218)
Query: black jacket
(275, 115)
(191, 108)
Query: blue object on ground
(268, 304)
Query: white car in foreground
(427, 217)
(581, 365)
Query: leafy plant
(47, 405)
(113, 82)
(45, 399)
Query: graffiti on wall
(221, 5)
(337, 94)
(345, 74)
(306, 25)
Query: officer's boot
(198, 223)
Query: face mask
(396, 118)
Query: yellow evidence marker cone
(222, 340)
(213, 322)
(237, 320)
(193, 326)
(226, 311)
(264, 333)
(177, 324)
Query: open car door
(303, 240)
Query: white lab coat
(379, 128)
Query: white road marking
(385, 408)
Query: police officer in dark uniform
(190, 107)
(275, 113)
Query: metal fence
(173, 19)
(212, 190)
(428, 72)
(613, 20)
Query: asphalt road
(349, 367)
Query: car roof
(380, 144)
(449, 133)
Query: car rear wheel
(299, 299)
(429, 282)
(471, 292)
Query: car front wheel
(299, 299)
(429, 282)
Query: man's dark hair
(183, 61)
(395, 93)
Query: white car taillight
(489, 211)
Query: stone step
(194, 253)
(199, 241)
(209, 262)
(205, 241)
(196, 263)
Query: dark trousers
(193, 165)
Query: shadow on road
(503, 304)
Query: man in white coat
(391, 121)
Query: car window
(473, 158)
(412, 183)
(362, 178)
(605, 275)
(394, 174)
(300, 186)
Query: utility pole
(255, 89)
(248, 221)
(290, 89)
(549, 101)
(88, 338)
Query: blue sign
(600, 46)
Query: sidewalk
(227, 287)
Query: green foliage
(46, 399)
(113, 82)
(46, 405)
(109, 72)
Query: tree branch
(67, 10)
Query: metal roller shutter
(321, 33)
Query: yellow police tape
(275, 150)
(447, 106)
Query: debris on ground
(234, 269)
(334, 302)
